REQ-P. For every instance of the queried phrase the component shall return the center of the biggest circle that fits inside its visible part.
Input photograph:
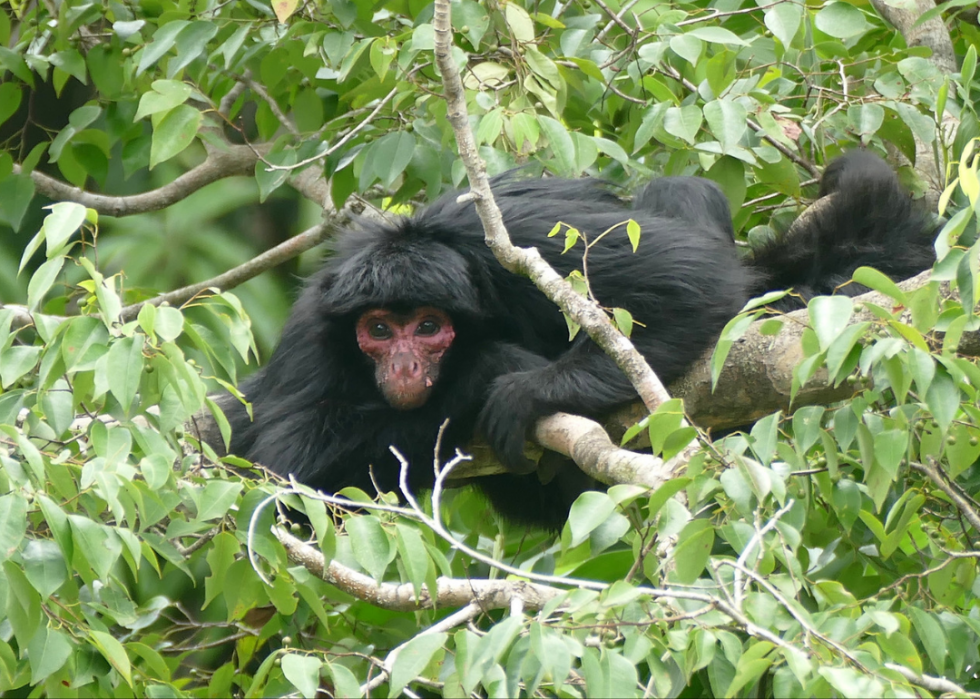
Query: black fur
(692, 199)
(318, 411)
(869, 221)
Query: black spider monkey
(414, 321)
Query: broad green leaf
(829, 316)
(13, 523)
(589, 510)
(370, 544)
(125, 369)
(16, 194)
(48, 652)
(413, 554)
(17, 361)
(174, 133)
(891, 448)
(217, 499)
(683, 122)
(693, 548)
(411, 660)
(847, 502)
(10, 96)
(165, 95)
(931, 635)
(303, 671)
(44, 566)
(42, 280)
(865, 118)
(114, 652)
(841, 20)
(163, 41)
(717, 35)
(726, 121)
(519, 21)
(875, 280)
(688, 47)
(472, 16)
(783, 20)
(562, 146)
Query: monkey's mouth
(408, 395)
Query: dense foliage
(830, 551)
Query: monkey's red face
(407, 349)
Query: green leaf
(165, 95)
(688, 47)
(866, 118)
(764, 434)
(16, 64)
(371, 546)
(174, 133)
(683, 122)
(717, 35)
(17, 361)
(411, 660)
(169, 323)
(562, 146)
(44, 566)
(783, 20)
(125, 369)
(847, 502)
(13, 524)
(519, 21)
(413, 555)
(470, 14)
(16, 194)
(10, 96)
(943, 399)
(841, 20)
(48, 652)
(726, 121)
(191, 43)
(875, 280)
(269, 180)
(217, 499)
(392, 155)
(42, 281)
(65, 218)
(589, 510)
(163, 41)
(113, 651)
(931, 635)
(891, 448)
(829, 316)
(85, 341)
(303, 671)
(71, 62)
(345, 683)
(693, 548)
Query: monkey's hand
(507, 418)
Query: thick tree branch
(489, 594)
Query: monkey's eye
(428, 327)
(379, 331)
